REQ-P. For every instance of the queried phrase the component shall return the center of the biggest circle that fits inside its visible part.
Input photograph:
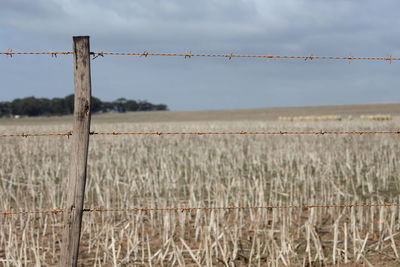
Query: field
(195, 171)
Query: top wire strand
(11, 53)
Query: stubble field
(197, 171)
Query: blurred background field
(257, 114)
(195, 171)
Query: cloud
(293, 27)
(288, 25)
(110, 18)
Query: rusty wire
(36, 134)
(319, 132)
(26, 212)
(189, 54)
(230, 56)
(184, 208)
(11, 53)
(144, 209)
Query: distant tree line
(31, 106)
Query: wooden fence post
(80, 144)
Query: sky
(278, 27)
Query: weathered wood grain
(80, 144)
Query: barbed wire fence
(156, 133)
(320, 132)
(205, 208)
(187, 55)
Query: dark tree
(31, 106)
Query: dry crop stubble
(193, 171)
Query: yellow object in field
(312, 118)
(377, 117)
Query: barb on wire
(350, 57)
(182, 209)
(53, 54)
(320, 132)
(389, 59)
(98, 54)
(144, 54)
(310, 57)
(189, 54)
(9, 53)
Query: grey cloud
(288, 24)
(321, 27)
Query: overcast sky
(279, 27)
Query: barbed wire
(189, 54)
(245, 207)
(11, 53)
(26, 212)
(319, 132)
(207, 208)
(36, 134)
